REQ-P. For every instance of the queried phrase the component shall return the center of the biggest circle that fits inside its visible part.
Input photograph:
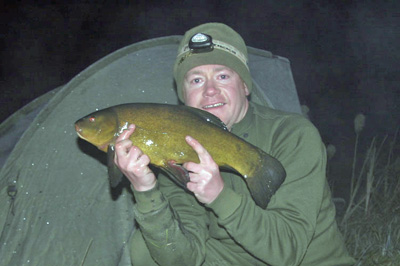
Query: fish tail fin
(266, 179)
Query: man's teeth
(213, 105)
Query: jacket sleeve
(281, 234)
(173, 224)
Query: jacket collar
(241, 129)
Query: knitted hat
(211, 44)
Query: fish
(160, 133)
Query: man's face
(218, 90)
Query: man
(219, 223)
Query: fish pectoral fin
(114, 174)
(177, 173)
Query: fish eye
(92, 119)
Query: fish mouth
(214, 105)
(78, 131)
(82, 137)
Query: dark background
(344, 54)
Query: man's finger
(192, 167)
(202, 153)
(122, 147)
(126, 133)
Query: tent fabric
(15, 125)
(56, 205)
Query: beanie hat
(211, 44)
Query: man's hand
(205, 178)
(133, 163)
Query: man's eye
(196, 80)
(223, 76)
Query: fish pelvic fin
(114, 174)
(177, 173)
(265, 180)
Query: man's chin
(218, 112)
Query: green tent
(56, 205)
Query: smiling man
(215, 221)
(218, 90)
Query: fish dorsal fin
(208, 117)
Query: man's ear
(246, 90)
(183, 94)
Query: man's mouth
(213, 105)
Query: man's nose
(210, 88)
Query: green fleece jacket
(297, 228)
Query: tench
(160, 133)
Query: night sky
(344, 54)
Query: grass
(371, 221)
